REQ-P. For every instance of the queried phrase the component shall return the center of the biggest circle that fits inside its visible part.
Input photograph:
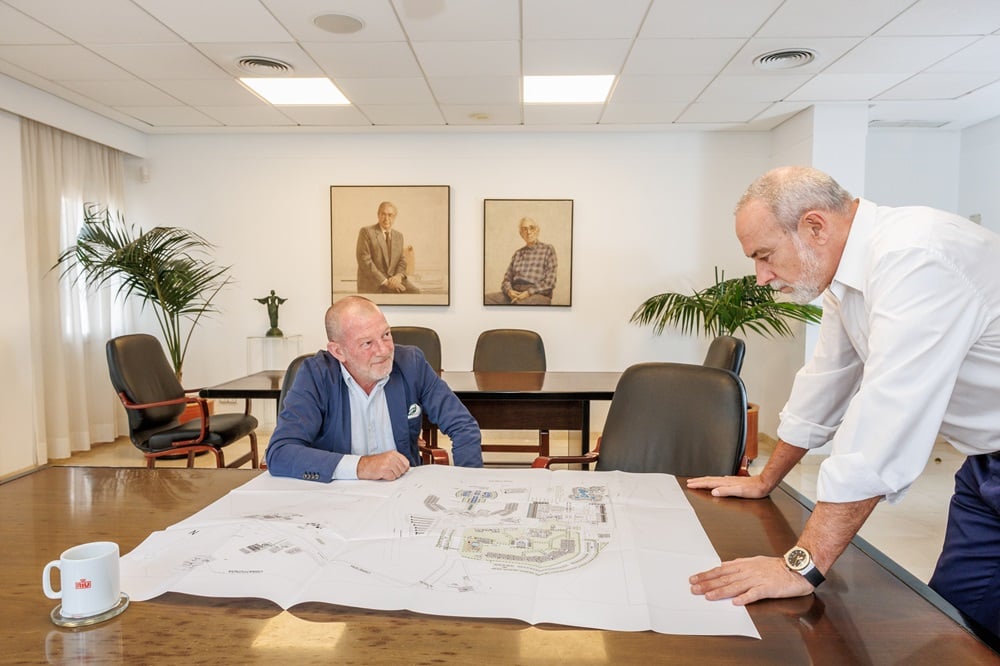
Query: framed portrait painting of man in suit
(390, 243)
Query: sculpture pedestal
(270, 353)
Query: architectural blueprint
(607, 550)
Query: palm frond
(164, 268)
(724, 308)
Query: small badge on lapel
(414, 411)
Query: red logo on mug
(83, 584)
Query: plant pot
(753, 415)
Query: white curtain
(77, 406)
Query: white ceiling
(170, 65)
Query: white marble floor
(910, 532)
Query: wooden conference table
(868, 612)
(498, 400)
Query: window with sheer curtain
(78, 406)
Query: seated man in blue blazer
(364, 423)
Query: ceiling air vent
(784, 59)
(262, 66)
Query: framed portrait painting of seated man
(528, 252)
(390, 243)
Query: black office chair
(154, 400)
(726, 352)
(418, 336)
(512, 350)
(430, 344)
(428, 455)
(509, 350)
(672, 418)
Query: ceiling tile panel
(659, 89)
(721, 112)
(897, 54)
(574, 56)
(403, 115)
(982, 55)
(170, 116)
(122, 93)
(62, 63)
(706, 18)
(18, 28)
(469, 20)
(483, 115)
(98, 21)
(822, 18)
(845, 87)
(487, 90)
(469, 58)
(562, 114)
(209, 92)
(411, 91)
(248, 116)
(642, 113)
(162, 61)
(947, 17)
(318, 116)
(583, 19)
(364, 60)
(752, 87)
(940, 86)
(681, 56)
(217, 20)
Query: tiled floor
(910, 532)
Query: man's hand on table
(750, 579)
(387, 466)
(750, 487)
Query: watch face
(797, 559)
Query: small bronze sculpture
(272, 302)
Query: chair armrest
(547, 461)
(744, 469)
(202, 403)
(146, 405)
(434, 455)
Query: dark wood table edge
(908, 579)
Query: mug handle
(47, 582)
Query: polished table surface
(265, 385)
(864, 614)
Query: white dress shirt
(909, 346)
(371, 429)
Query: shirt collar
(356, 389)
(850, 271)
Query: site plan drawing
(605, 550)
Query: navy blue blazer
(314, 428)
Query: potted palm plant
(725, 308)
(164, 268)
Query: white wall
(908, 167)
(979, 190)
(653, 212)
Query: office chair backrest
(286, 381)
(139, 368)
(509, 350)
(418, 336)
(726, 352)
(675, 418)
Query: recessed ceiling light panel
(567, 89)
(784, 59)
(297, 92)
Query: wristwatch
(800, 561)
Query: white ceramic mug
(89, 579)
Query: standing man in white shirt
(909, 347)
